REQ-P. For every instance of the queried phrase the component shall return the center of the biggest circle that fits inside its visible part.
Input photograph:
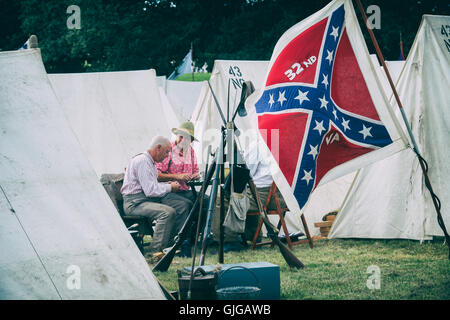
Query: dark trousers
(188, 194)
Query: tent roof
(57, 220)
(114, 115)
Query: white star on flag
(281, 97)
(313, 151)
(365, 132)
(271, 101)
(307, 177)
(345, 124)
(302, 96)
(329, 56)
(323, 102)
(325, 80)
(319, 127)
(335, 33)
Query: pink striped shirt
(142, 176)
(179, 163)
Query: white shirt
(259, 171)
(142, 176)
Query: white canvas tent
(182, 95)
(114, 114)
(59, 228)
(389, 198)
(394, 67)
(206, 117)
(171, 115)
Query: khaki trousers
(169, 212)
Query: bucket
(203, 286)
(239, 292)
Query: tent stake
(422, 162)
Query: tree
(138, 34)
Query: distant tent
(172, 115)
(184, 67)
(57, 220)
(114, 114)
(182, 95)
(31, 43)
(394, 67)
(388, 198)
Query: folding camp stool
(112, 184)
(281, 212)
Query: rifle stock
(212, 202)
(164, 263)
(272, 232)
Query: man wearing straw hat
(181, 166)
(181, 163)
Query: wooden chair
(281, 212)
(112, 184)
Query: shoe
(165, 250)
(153, 257)
(243, 241)
(232, 246)
(209, 241)
(185, 249)
(293, 236)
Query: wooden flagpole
(401, 46)
(422, 162)
(192, 60)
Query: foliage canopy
(137, 34)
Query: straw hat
(185, 128)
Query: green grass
(197, 76)
(337, 269)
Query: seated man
(262, 178)
(143, 195)
(181, 166)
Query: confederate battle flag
(322, 112)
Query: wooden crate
(324, 226)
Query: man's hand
(175, 186)
(196, 176)
(183, 177)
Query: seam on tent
(29, 240)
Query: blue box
(267, 277)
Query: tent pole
(423, 165)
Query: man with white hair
(143, 195)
